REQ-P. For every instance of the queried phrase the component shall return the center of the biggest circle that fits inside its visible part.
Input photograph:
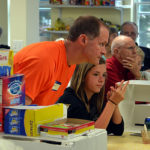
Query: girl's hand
(116, 94)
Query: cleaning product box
(66, 128)
(26, 120)
(1, 118)
(6, 62)
(12, 92)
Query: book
(66, 128)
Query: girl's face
(95, 79)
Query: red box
(12, 92)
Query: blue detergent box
(13, 90)
(6, 62)
(12, 93)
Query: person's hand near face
(132, 64)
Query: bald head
(120, 41)
(123, 47)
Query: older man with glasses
(122, 64)
(131, 29)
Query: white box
(96, 140)
(137, 90)
(141, 111)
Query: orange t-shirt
(46, 71)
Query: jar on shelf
(118, 3)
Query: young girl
(86, 98)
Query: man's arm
(28, 100)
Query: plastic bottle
(118, 3)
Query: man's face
(128, 50)
(95, 48)
(130, 30)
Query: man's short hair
(88, 25)
(127, 23)
(112, 31)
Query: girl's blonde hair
(140, 52)
(77, 84)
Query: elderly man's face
(128, 50)
(130, 30)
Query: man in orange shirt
(48, 66)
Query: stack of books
(66, 128)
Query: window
(143, 21)
(45, 19)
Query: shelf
(48, 5)
(61, 6)
(83, 6)
(57, 32)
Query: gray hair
(128, 23)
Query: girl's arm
(115, 96)
(116, 117)
(104, 119)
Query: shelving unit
(58, 32)
(61, 6)
(88, 7)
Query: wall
(112, 15)
(4, 22)
(109, 14)
(24, 21)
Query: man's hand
(28, 100)
(132, 65)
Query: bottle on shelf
(108, 2)
(118, 3)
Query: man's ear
(116, 51)
(83, 39)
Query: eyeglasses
(129, 48)
(130, 33)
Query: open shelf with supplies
(120, 9)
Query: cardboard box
(137, 90)
(95, 140)
(141, 111)
(1, 118)
(25, 120)
(12, 92)
(67, 128)
(6, 62)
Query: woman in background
(113, 32)
(86, 98)
(145, 75)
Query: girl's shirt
(77, 109)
